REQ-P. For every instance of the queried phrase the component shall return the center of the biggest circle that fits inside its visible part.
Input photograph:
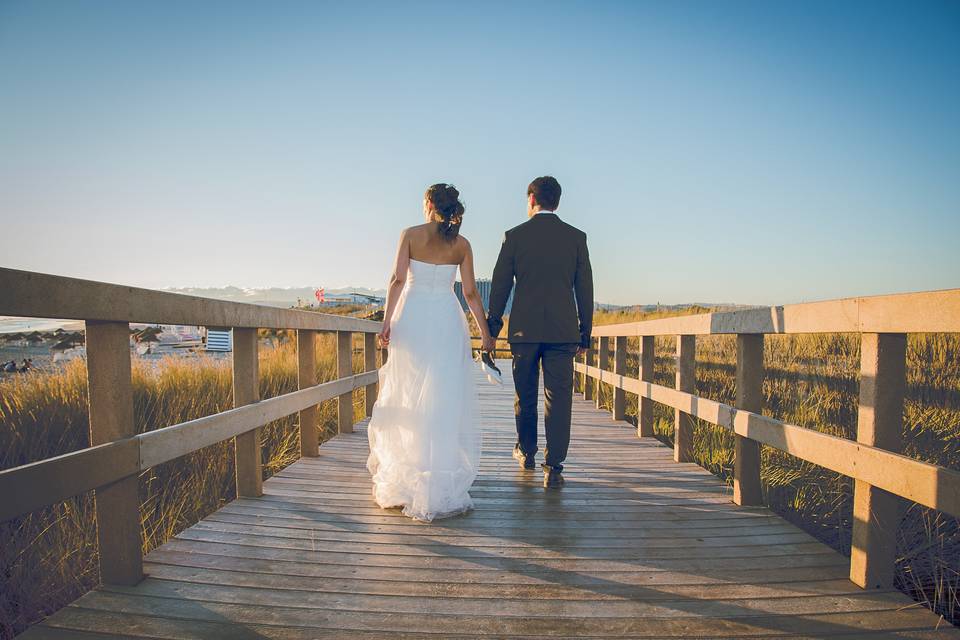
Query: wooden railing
(499, 352)
(882, 476)
(116, 455)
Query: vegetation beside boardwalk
(813, 381)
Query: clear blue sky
(712, 151)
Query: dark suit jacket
(554, 298)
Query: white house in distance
(219, 339)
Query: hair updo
(448, 210)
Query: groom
(550, 322)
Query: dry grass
(49, 557)
(813, 381)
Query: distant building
(334, 299)
(483, 286)
(219, 340)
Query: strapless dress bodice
(430, 278)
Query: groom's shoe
(552, 478)
(527, 463)
(489, 367)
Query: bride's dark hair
(448, 209)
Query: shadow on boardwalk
(633, 546)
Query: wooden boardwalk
(635, 545)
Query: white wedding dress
(424, 431)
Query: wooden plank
(580, 540)
(645, 405)
(111, 418)
(687, 382)
(675, 560)
(589, 387)
(39, 295)
(437, 605)
(603, 362)
(924, 483)
(32, 486)
(444, 555)
(922, 312)
(877, 513)
(584, 379)
(306, 378)
(370, 364)
(161, 445)
(658, 575)
(246, 390)
(619, 407)
(692, 617)
(241, 574)
(345, 369)
(478, 535)
(215, 624)
(747, 489)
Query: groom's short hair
(546, 191)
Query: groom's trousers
(556, 360)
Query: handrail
(40, 295)
(498, 350)
(882, 476)
(929, 311)
(111, 464)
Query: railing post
(876, 513)
(618, 407)
(645, 405)
(370, 364)
(583, 376)
(603, 362)
(747, 489)
(246, 390)
(345, 369)
(111, 418)
(307, 377)
(588, 384)
(686, 381)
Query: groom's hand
(581, 351)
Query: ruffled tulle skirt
(424, 431)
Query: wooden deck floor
(634, 546)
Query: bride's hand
(384, 335)
(488, 344)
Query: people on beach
(11, 366)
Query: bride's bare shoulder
(463, 247)
(415, 231)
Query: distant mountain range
(719, 306)
(274, 296)
(288, 296)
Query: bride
(424, 430)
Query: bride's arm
(472, 297)
(397, 279)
